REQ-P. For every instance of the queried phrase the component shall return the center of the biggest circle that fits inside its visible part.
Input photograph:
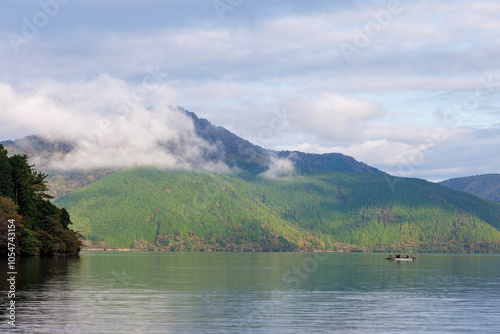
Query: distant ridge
(7, 142)
(485, 186)
(250, 157)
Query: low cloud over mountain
(107, 126)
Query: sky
(408, 86)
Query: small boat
(407, 258)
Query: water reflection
(36, 279)
(262, 293)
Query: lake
(118, 292)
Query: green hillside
(173, 210)
(157, 209)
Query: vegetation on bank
(40, 226)
(153, 209)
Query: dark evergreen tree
(65, 218)
(24, 194)
(6, 183)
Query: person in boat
(397, 256)
(407, 256)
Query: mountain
(485, 186)
(229, 149)
(158, 209)
(329, 202)
(255, 159)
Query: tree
(41, 227)
(24, 194)
(40, 186)
(65, 218)
(6, 183)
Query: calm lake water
(108, 292)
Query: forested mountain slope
(194, 210)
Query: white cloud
(107, 123)
(331, 115)
(278, 169)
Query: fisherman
(397, 256)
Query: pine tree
(6, 183)
(23, 191)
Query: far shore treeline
(41, 227)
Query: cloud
(108, 125)
(427, 39)
(278, 168)
(264, 56)
(332, 115)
